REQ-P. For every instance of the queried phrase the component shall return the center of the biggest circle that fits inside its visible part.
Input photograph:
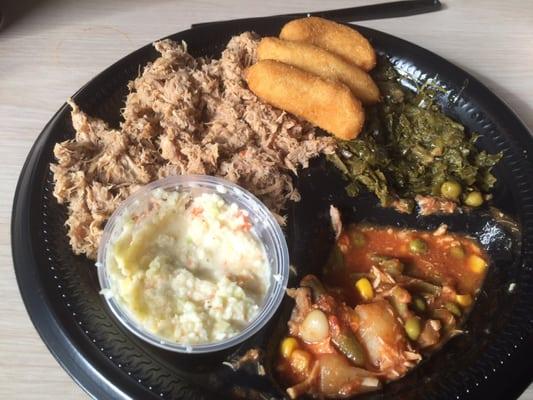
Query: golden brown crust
(320, 62)
(336, 38)
(328, 104)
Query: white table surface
(58, 45)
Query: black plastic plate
(60, 290)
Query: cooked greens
(409, 147)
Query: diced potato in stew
(386, 298)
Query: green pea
(453, 308)
(419, 304)
(457, 251)
(357, 238)
(412, 328)
(474, 199)
(451, 190)
(392, 266)
(418, 246)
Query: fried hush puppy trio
(317, 71)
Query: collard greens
(409, 147)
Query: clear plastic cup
(264, 227)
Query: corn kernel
(300, 361)
(464, 300)
(288, 345)
(364, 287)
(477, 264)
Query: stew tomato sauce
(386, 298)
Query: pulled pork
(183, 115)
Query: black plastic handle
(376, 11)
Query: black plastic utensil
(393, 9)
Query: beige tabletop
(56, 46)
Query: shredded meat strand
(429, 205)
(183, 115)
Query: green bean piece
(418, 246)
(453, 308)
(312, 282)
(400, 307)
(419, 304)
(418, 285)
(346, 342)
(457, 251)
(451, 190)
(474, 199)
(357, 238)
(392, 266)
(412, 328)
